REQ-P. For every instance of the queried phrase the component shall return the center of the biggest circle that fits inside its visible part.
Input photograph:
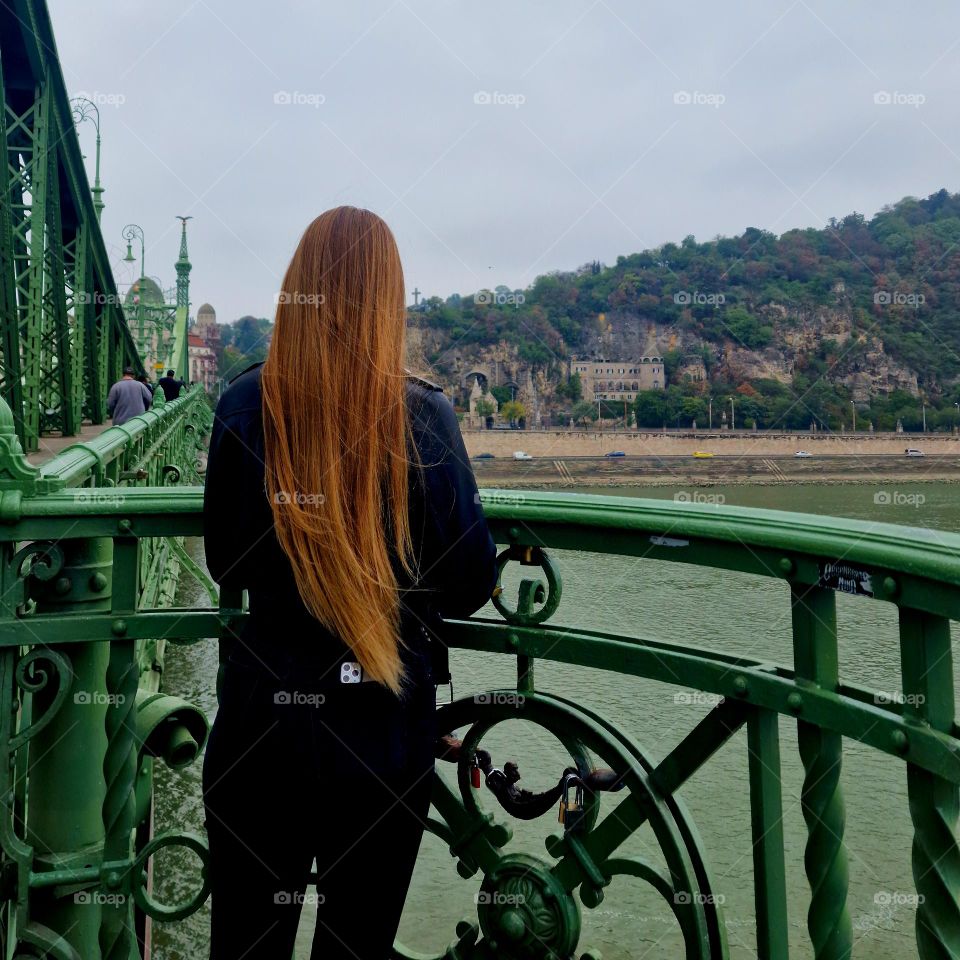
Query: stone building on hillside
(619, 379)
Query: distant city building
(204, 340)
(619, 379)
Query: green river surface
(733, 612)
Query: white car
(520, 455)
(803, 453)
(913, 452)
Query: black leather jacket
(452, 542)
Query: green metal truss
(63, 339)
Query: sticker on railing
(846, 579)
(669, 542)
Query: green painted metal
(63, 338)
(531, 904)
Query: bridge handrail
(75, 463)
(814, 556)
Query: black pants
(299, 768)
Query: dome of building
(207, 311)
(146, 290)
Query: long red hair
(337, 432)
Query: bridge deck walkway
(50, 446)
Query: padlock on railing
(572, 813)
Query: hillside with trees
(797, 328)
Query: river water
(733, 612)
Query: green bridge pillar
(65, 821)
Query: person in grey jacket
(128, 398)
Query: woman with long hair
(340, 497)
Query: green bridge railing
(90, 555)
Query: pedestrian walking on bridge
(128, 398)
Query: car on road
(803, 453)
(702, 454)
(913, 452)
(615, 453)
(485, 456)
(520, 455)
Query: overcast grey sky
(501, 140)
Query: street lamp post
(733, 415)
(131, 232)
(85, 109)
(710, 410)
(924, 416)
(854, 408)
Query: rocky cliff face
(855, 355)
